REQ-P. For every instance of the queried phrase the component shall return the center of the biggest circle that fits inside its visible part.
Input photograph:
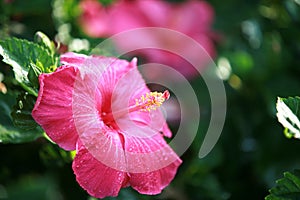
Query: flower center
(149, 101)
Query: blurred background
(256, 46)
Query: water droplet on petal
(119, 177)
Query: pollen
(152, 100)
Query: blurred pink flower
(102, 107)
(94, 18)
(193, 18)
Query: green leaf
(106, 2)
(33, 74)
(28, 61)
(42, 39)
(22, 55)
(14, 135)
(10, 133)
(288, 114)
(52, 155)
(287, 188)
(21, 113)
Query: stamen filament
(149, 101)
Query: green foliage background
(261, 41)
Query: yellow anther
(152, 100)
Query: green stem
(28, 89)
(47, 137)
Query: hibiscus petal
(96, 178)
(53, 108)
(147, 153)
(152, 164)
(97, 67)
(138, 122)
(109, 77)
(73, 59)
(102, 141)
(166, 131)
(154, 182)
(89, 103)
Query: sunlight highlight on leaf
(287, 115)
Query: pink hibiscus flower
(89, 20)
(102, 108)
(192, 18)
